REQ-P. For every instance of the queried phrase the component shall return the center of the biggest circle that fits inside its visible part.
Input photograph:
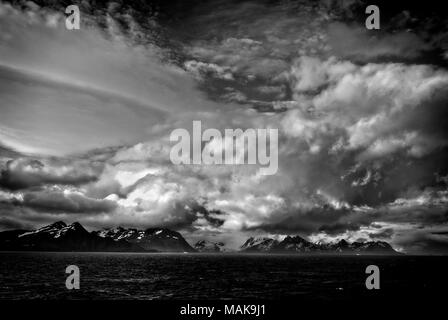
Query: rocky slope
(259, 245)
(160, 239)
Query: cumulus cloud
(377, 106)
(201, 69)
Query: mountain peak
(56, 225)
(160, 239)
(76, 226)
(61, 237)
(48, 229)
(295, 238)
(259, 244)
(294, 244)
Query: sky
(86, 115)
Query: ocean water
(106, 276)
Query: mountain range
(74, 237)
(299, 245)
(61, 237)
(158, 239)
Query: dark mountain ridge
(74, 237)
(296, 244)
(61, 237)
(159, 239)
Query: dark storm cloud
(307, 221)
(24, 173)
(338, 228)
(8, 153)
(423, 241)
(357, 43)
(10, 223)
(395, 175)
(193, 211)
(211, 216)
(15, 216)
(384, 234)
(60, 202)
(421, 208)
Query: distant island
(74, 237)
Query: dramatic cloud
(359, 44)
(86, 118)
(105, 86)
(23, 173)
(66, 202)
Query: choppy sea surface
(106, 276)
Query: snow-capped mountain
(160, 239)
(61, 237)
(259, 244)
(297, 244)
(56, 230)
(74, 237)
(371, 246)
(208, 246)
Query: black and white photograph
(216, 157)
